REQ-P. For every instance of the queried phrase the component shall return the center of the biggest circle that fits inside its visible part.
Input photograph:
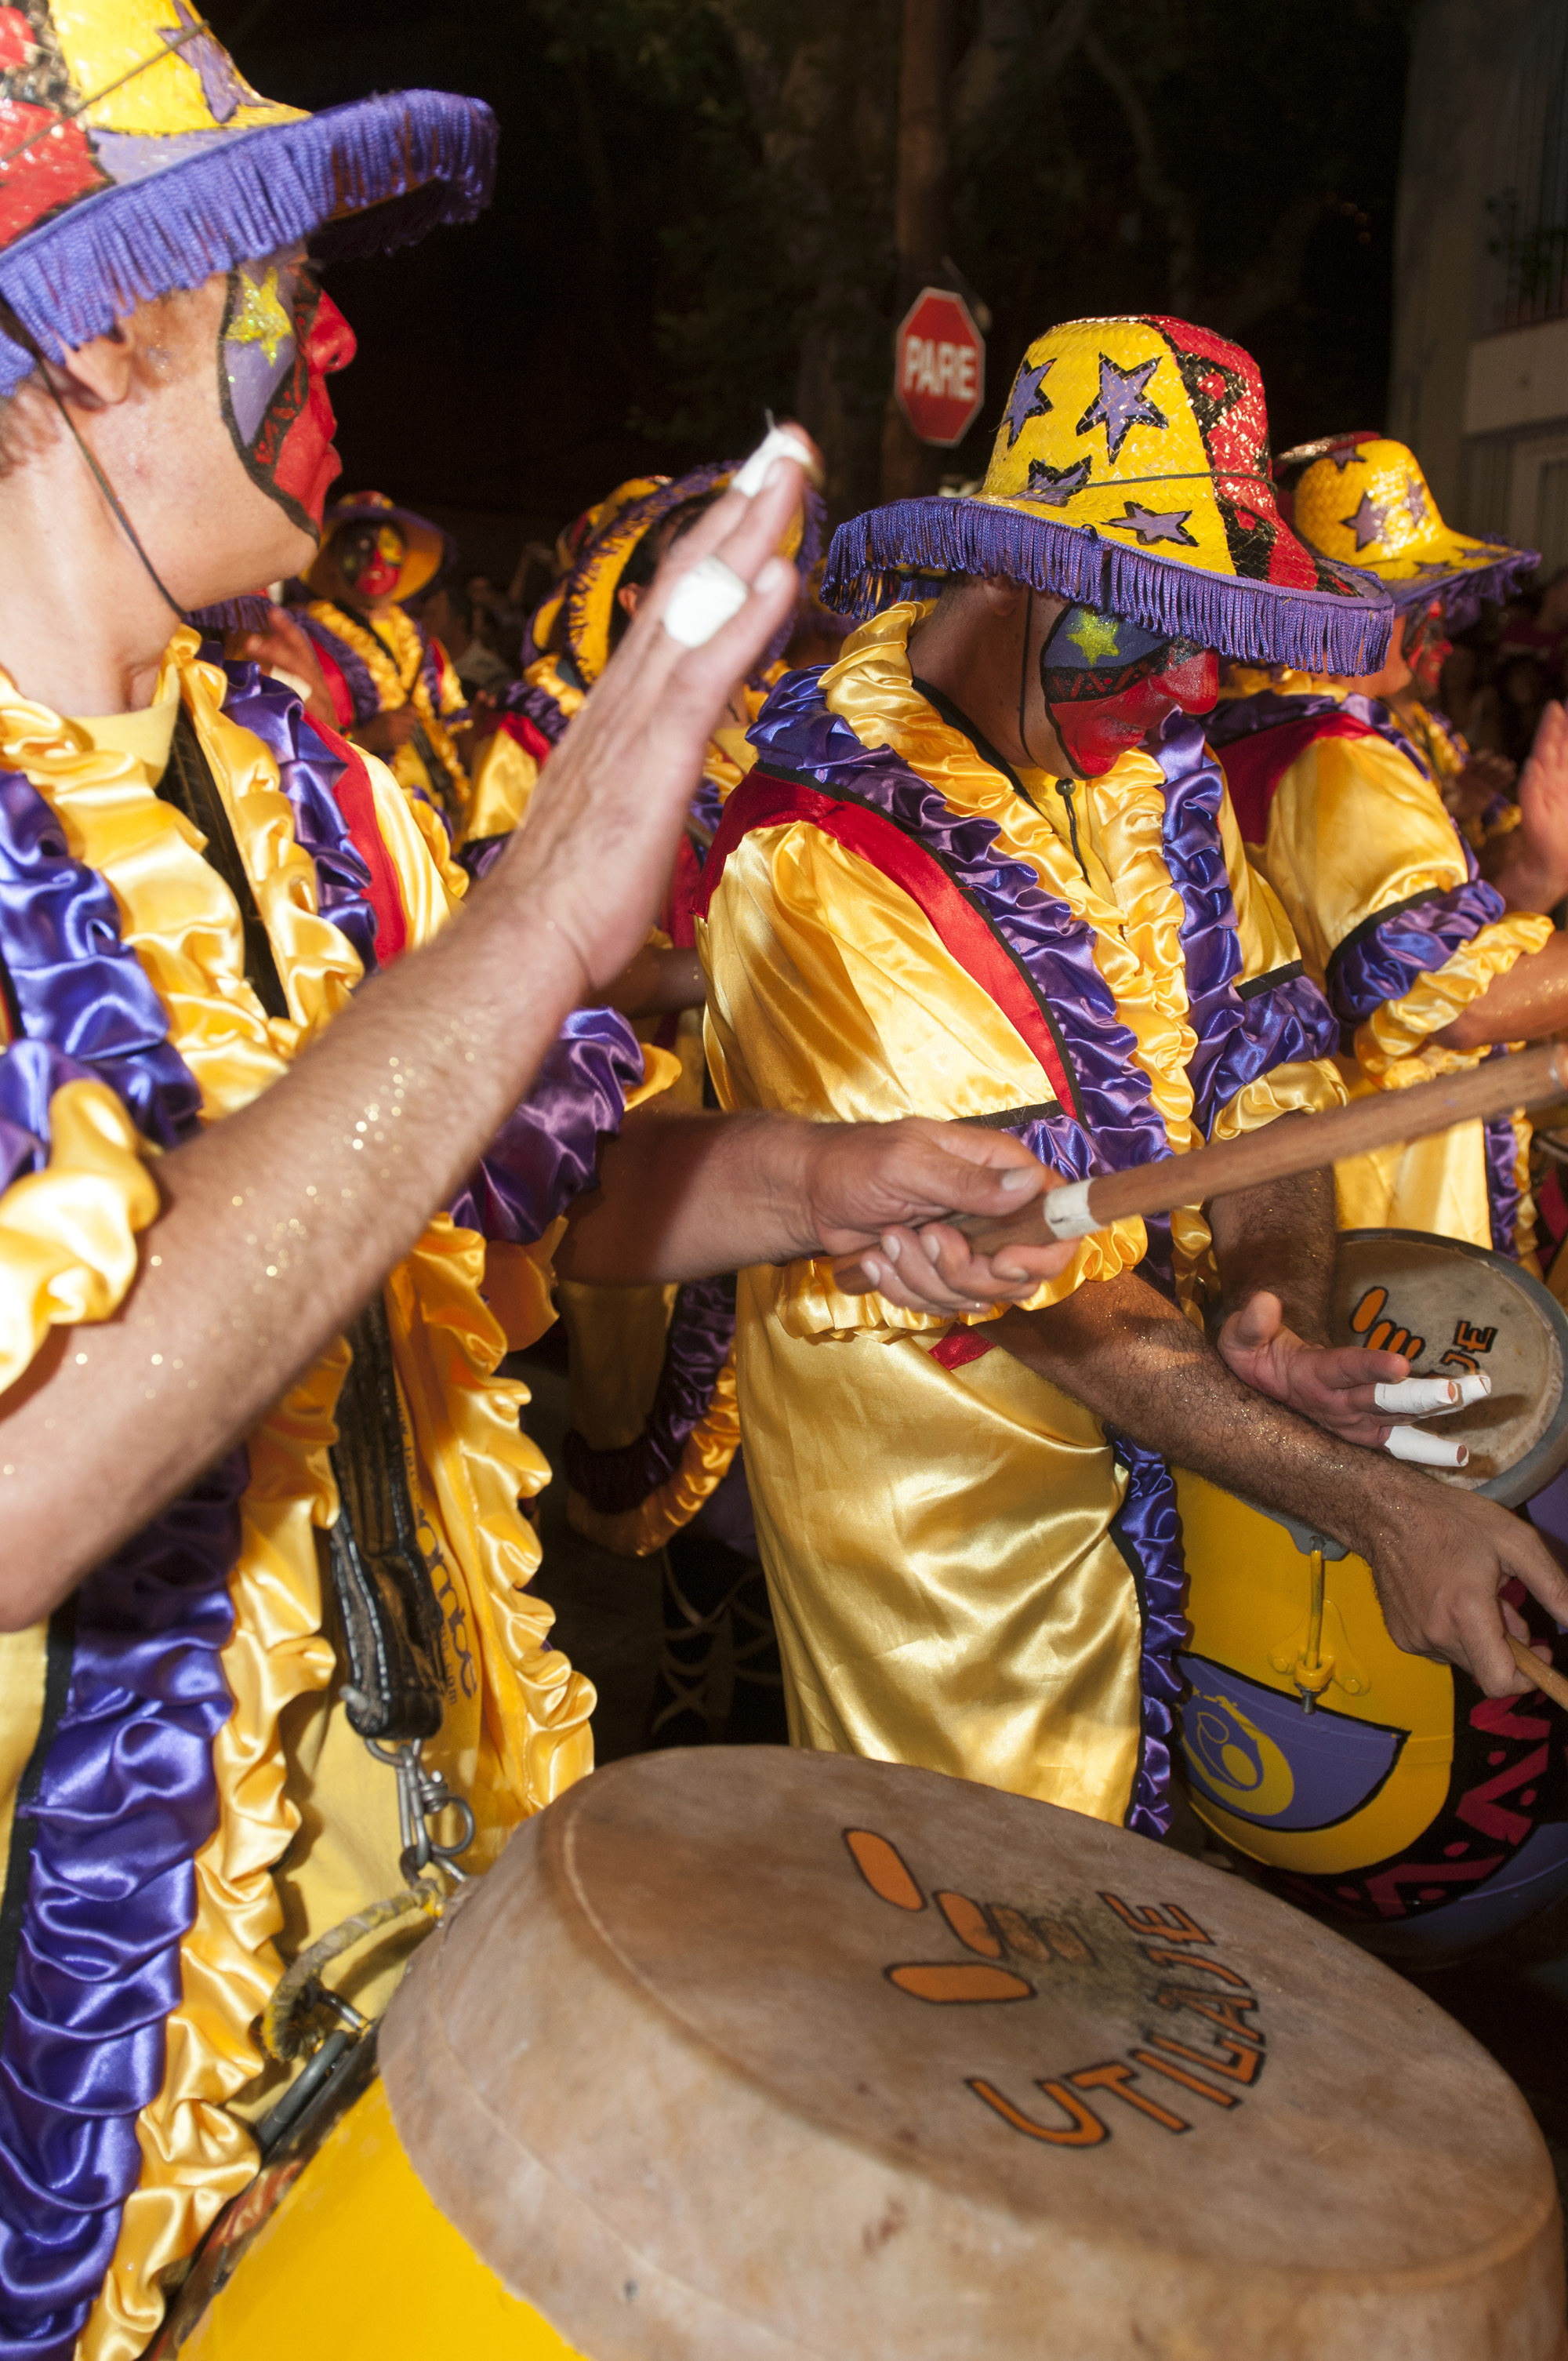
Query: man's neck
(83, 628)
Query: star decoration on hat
(1026, 400)
(1418, 506)
(1054, 487)
(1346, 455)
(1366, 522)
(260, 317)
(1096, 634)
(1154, 524)
(223, 88)
(1122, 403)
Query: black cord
(104, 486)
(1024, 680)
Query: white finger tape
(1432, 1397)
(778, 443)
(1065, 1212)
(1425, 1450)
(703, 601)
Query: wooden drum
(750, 2056)
(1378, 1787)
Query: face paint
(370, 559)
(281, 338)
(1107, 683)
(1426, 648)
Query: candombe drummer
(241, 1341)
(1428, 964)
(984, 866)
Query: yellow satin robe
(946, 1584)
(1355, 828)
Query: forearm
(656, 982)
(279, 1223)
(1126, 1354)
(682, 1195)
(1279, 1240)
(1529, 1001)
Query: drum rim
(1535, 1470)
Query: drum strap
(392, 1620)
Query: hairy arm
(1439, 1555)
(1528, 1001)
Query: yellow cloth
(292, 1780)
(946, 1582)
(1355, 828)
(504, 775)
(393, 653)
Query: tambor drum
(746, 2054)
(1378, 1786)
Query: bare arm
(1528, 1002)
(1531, 869)
(655, 982)
(1439, 1555)
(282, 1220)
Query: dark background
(694, 219)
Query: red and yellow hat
(1363, 498)
(426, 550)
(1131, 473)
(135, 159)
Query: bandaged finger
(707, 596)
(778, 443)
(1432, 1397)
(1425, 1450)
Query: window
(1524, 278)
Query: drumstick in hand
(1549, 1683)
(1276, 1152)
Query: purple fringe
(126, 1802)
(701, 1333)
(892, 553)
(251, 196)
(1463, 594)
(1147, 1530)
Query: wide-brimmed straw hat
(1363, 498)
(1130, 473)
(135, 159)
(427, 550)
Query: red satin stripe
(1254, 765)
(337, 686)
(357, 802)
(762, 801)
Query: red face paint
(1427, 649)
(281, 339)
(1107, 683)
(371, 558)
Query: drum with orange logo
(1379, 1787)
(744, 2055)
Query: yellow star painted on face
(261, 318)
(1097, 635)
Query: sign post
(938, 359)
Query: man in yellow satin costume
(984, 866)
(278, 1124)
(1430, 961)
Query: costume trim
(1146, 1528)
(331, 178)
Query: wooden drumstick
(1549, 1683)
(1276, 1152)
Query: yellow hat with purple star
(1363, 498)
(1130, 473)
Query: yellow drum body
(1356, 1781)
(357, 2261)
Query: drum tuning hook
(423, 1796)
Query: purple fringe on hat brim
(253, 194)
(1463, 594)
(892, 553)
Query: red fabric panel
(678, 917)
(356, 801)
(959, 1345)
(1254, 765)
(761, 801)
(337, 686)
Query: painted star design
(1026, 400)
(1346, 455)
(1367, 522)
(1418, 506)
(225, 89)
(1054, 487)
(1154, 524)
(1121, 403)
(1097, 635)
(261, 317)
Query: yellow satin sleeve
(504, 775)
(1402, 1028)
(851, 1008)
(68, 1234)
(1355, 829)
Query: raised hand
(1533, 872)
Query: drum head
(1457, 1308)
(742, 2054)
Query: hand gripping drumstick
(1276, 1152)
(1550, 1684)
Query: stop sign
(938, 367)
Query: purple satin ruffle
(364, 694)
(707, 807)
(702, 1330)
(1386, 959)
(309, 772)
(1238, 1040)
(126, 1800)
(535, 705)
(547, 1152)
(76, 984)
(1501, 1146)
(1148, 1531)
(1242, 717)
